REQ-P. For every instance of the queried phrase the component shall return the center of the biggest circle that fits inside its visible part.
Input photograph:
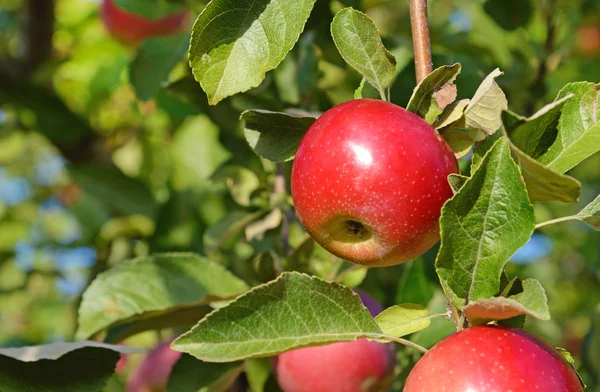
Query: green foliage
(192, 375)
(356, 37)
(286, 313)
(401, 320)
(434, 93)
(152, 286)
(235, 43)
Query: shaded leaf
(452, 113)
(59, 367)
(434, 93)
(366, 90)
(153, 62)
(227, 228)
(578, 128)
(401, 320)
(258, 228)
(457, 181)
(274, 135)
(484, 224)
(234, 43)
(295, 310)
(358, 41)
(414, 285)
(509, 14)
(258, 371)
(240, 181)
(146, 287)
(531, 301)
(192, 375)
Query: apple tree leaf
(59, 367)
(531, 301)
(535, 134)
(190, 375)
(257, 372)
(482, 226)
(236, 42)
(358, 41)
(404, 319)
(452, 113)
(293, 311)
(483, 113)
(366, 90)
(241, 182)
(150, 286)
(221, 233)
(590, 214)
(457, 181)
(434, 93)
(578, 128)
(153, 62)
(275, 136)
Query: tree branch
(38, 33)
(420, 36)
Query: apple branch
(420, 36)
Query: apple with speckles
(358, 366)
(369, 180)
(493, 359)
(131, 29)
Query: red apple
(153, 373)
(588, 40)
(493, 359)
(131, 28)
(369, 180)
(356, 366)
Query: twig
(455, 315)
(420, 36)
(38, 32)
(553, 221)
(279, 193)
(405, 342)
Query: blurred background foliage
(109, 152)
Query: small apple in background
(369, 180)
(132, 29)
(357, 366)
(153, 372)
(493, 359)
(587, 40)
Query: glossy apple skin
(358, 366)
(153, 372)
(131, 29)
(492, 359)
(375, 163)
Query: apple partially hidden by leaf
(369, 180)
(493, 359)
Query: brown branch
(37, 34)
(420, 35)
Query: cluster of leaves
(515, 161)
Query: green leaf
(543, 183)
(295, 310)
(275, 136)
(590, 214)
(457, 181)
(482, 226)
(414, 285)
(196, 152)
(459, 140)
(434, 93)
(192, 375)
(153, 62)
(483, 113)
(358, 41)
(124, 194)
(452, 113)
(151, 286)
(240, 181)
(59, 367)
(235, 42)
(258, 371)
(258, 228)
(578, 128)
(150, 9)
(536, 134)
(531, 301)
(366, 90)
(401, 320)
(227, 228)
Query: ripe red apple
(369, 181)
(153, 373)
(493, 359)
(356, 366)
(131, 28)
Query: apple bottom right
(493, 359)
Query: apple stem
(420, 36)
(405, 342)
